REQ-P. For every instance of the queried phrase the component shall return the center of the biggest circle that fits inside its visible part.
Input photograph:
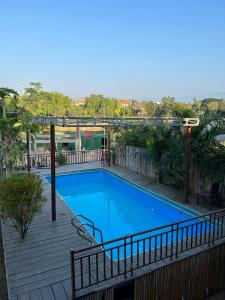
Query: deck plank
(59, 291)
(67, 287)
(25, 296)
(36, 295)
(47, 293)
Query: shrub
(20, 199)
(61, 159)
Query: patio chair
(210, 197)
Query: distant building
(79, 102)
(125, 103)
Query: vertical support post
(28, 152)
(109, 146)
(187, 163)
(78, 138)
(53, 193)
(73, 286)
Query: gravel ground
(3, 284)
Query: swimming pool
(116, 206)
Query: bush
(61, 159)
(20, 199)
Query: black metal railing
(71, 157)
(120, 258)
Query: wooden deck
(42, 259)
(38, 267)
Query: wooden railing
(71, 157)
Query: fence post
(171, 256)
(109, 146)
(214, 225)
(53, 192)
(210, 220)
(177, 238)
(125, 257)
(73, 286)
(187, 163)
(28, 152)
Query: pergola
(110, 123)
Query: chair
(211, 197)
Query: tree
(197, 107)
(10, 141)
(6, 93)
(11, 144)
(39, 102)
(150, 108)
(102, 106)
(208, 155)
(20, 199)
(34, 87)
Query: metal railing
(71, 157)
(120, 258)
(81, 228)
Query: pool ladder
(81, 230)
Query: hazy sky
(122, 48)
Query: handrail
(94, 228)
(80, 229)
(90, 224)
(87, 219)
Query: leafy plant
(61, 159)
(20, 199)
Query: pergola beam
(114, 122)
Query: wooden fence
(135, 159)
(139, 161)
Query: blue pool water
(116, 207)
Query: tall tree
(6, 93)
(39, 102)
(10, 141)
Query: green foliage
(150, 108)
(11, 144)
(101, 106)
(208, 155)
(166, 149)
(135, 136)
(7, 94)
(159, 142)
(61, 159)
(40, 102)
(20, 199)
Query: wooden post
(78, 138)
(187, 163)
(28, 152)
(53, 193)
(109, 146)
